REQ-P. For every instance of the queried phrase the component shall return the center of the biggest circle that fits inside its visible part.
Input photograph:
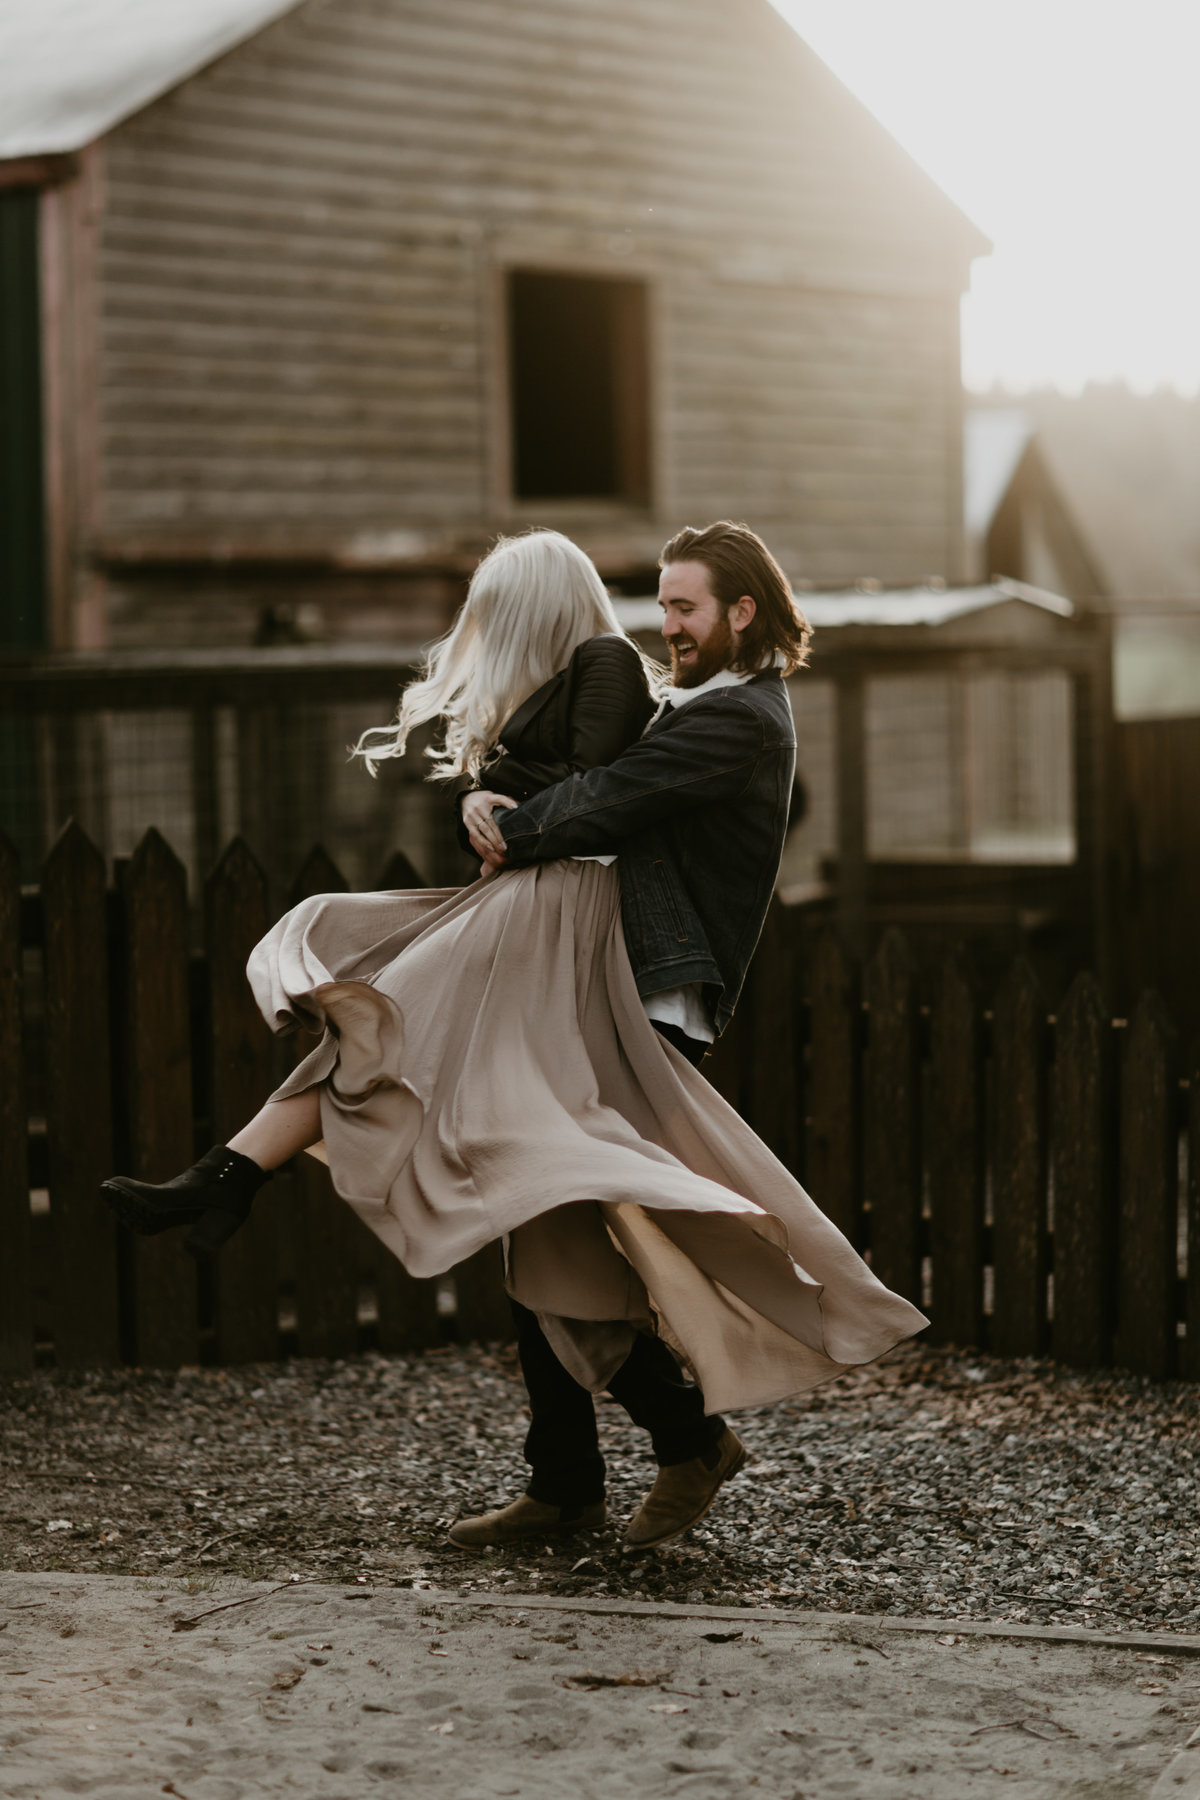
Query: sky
(1069, 131)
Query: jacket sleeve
(708, 756)
(607, 708)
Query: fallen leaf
(287, 1678)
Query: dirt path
(336, 1692)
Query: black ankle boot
(213, 1197)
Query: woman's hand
(482, 829)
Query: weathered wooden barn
(305, 302)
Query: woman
(486, 1068)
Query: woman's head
(531, 602)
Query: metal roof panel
(901, 607)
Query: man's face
(695, 624)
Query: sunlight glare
(1068, 131)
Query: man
(695, 813)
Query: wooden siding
(299, 265)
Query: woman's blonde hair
(532, 601)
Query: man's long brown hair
(738, 562)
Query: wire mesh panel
(268, 759)
(975, 768)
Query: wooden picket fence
(1032, 1176)
(126, 1047)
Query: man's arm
(708, 755)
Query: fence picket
(79, 1102)
(327, 1233)
(158, 1067)
(16, 1270)
(723, 1066)
(956, 1158)
(242, 1075)
(484, 1314)
(1083, 1156)
(1147, 1216)
(408, 1307)
(773, 1089)
(891, 1145)
(1019, 1234)
(1191, 1344)
(398, 875)
(831, 1126)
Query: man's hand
(482, 829)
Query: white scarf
(679, 696)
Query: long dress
(487, 1071)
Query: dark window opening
(577, 367)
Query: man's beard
(716, 653)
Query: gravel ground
(934, 1483)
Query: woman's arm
(609, 705)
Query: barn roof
(72, 69)
(994, 441)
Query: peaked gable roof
(72, 69)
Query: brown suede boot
(682, 1494)
(523, 1518)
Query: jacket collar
(670, 698)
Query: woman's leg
(214, 1196)
(281, 1129)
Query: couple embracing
(519, 1059)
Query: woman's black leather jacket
(581, 718)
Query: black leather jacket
(696, 810)
(583, 716)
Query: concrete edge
(1177, 1645)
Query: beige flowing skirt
(486, 1070)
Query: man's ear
(741, 613)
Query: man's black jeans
(562, 1447)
